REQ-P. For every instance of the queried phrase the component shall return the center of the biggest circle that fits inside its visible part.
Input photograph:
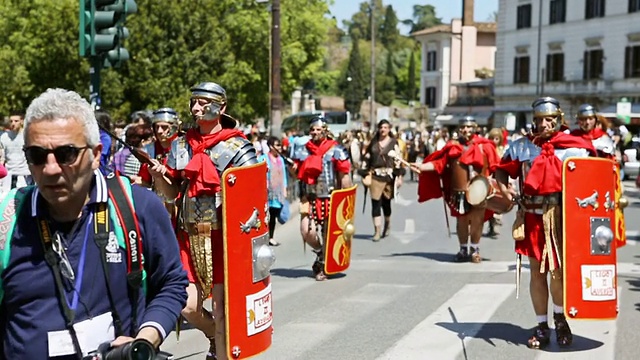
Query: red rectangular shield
(589, 246)
(247, 261)
(340, 230)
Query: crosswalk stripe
(323, 322)
(596, 336)
(283, 288)
(624, 268)
(439, 336)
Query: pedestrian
(323, 167)
(385, 175)
(542, 242)
(124, 161)
(12, 157)
(447, 172)
(72, 282)
(104, 120)
(276, 182)
(189, 164)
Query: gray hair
(63, 104)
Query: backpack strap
(121, 199)
(9, 207)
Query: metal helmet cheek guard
(213, 92)
(548, 107)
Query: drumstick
(393, 154)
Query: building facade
(458, 61)
(578, 51)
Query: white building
(456, 61)
(577, 51)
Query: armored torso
(327, 180)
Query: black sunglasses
(65, 154)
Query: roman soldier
(197, 161)
(165, 124)
(324, 166)
(587, 121)
(447, 173)
(536, 161)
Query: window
(431, 60)
(634, 5)
(521, 70)
(524, 17)
(555, 67)
(592, 64)
(430, 97)
(557, 10)
(632, 62)
(594, 9)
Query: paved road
(404, 298)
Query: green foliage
(389, 34)
(173, 45)
(424, 16)
(411, 85)
(360, 24)
(386, 83)
(354, 82)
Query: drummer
(447, 173)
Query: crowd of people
(72, 173)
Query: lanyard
(78, 286)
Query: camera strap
(52, 260)
(101, 239)
(133, 242)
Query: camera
(138, 349)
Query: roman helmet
(586, 111)
(468, 120)
(213, 92)
(545, 107)
(167, 115)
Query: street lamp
(275, 108)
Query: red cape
(592, 135)
(545, 176)
(429, 186)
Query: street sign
(623, 108)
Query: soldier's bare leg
(564, 337)
(462, 230)
(308, 232)
(218, 316)
(539, 291)
(200, 317)
(476, 222)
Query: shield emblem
(247, 261)
(589, 247)
(340, 228)
(620, 227)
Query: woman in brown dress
(385, 176)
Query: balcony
(579, 87)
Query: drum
(482, 189)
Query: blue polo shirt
(30, 307)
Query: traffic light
(102, 31)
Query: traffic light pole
(94, 86)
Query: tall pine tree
(389, 33)
(354, 82)
(386, 84)
(411, 85)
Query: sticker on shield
(598, 282)
(259, 312)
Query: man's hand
(156, 169)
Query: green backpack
(12, 204)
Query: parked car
(631, 161)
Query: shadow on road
(440, 257)
(514, 334)
(189, 355)
(300, 273)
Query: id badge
(91, 333)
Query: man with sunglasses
(198, 160)
(65, 288)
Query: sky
(445, 9)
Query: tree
(353, 84)
(389, 33)
(411, 84)
(424, 16)
(386, 83)
(360, 24)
